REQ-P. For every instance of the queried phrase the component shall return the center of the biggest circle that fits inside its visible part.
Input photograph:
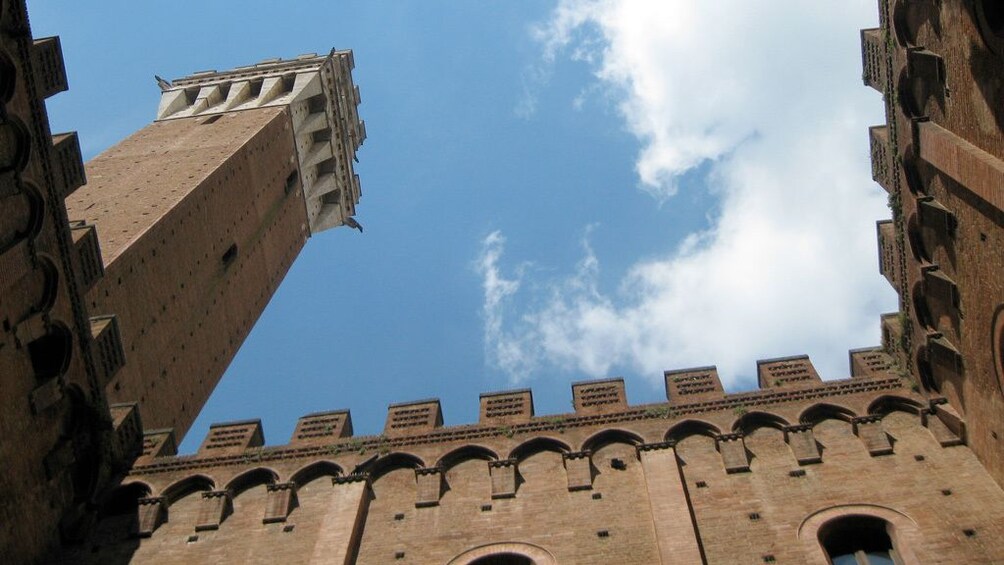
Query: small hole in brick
(983, 236)
(796, 473)
(618, 464)
(603, 534)
(946, 491)
(486, 507)
(193, 539)
(993, 435)
(399, 555)
(969, 532)
(918, 457)
(597, 496)
(754, 516)
(701, 484)
(768, 559)
(399, 517)
(288, 528)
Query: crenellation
(685, 385)
(322, 427)
(409, 418)
(599, 396)
(233, 437)
(504, 407)
(785, 371)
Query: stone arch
(315, 470)
(15, 145)
(50, 354)
(50, 284)
(902, 528)
(466, 453)
(536, 445)
(124, 499)
(753, 420)
(250, 479)
(184, 487)
(392, 461)
(825, 411)
(890, 403)
(606, 437)
(536, 554)
(686, 428)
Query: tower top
(322, 103)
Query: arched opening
(50, 354)
(124, 500)
(15, 145)
(993, 16)
(503, 559)
(858, 540)
(251, 479)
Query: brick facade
(243, 165)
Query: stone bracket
(733, 451)
(503, 473)
(803, 444)
(281, 499)
(215, 507)
(579, 470)
(150, 515)
(869, 430)
(430, 486)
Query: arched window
(858, 540)
(504, 559)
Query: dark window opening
(316, 104)
(291, 181)
(287, 82)
(503, 559)
(211, 119)
(993, 13)
(333, 197)
(123, 501)
(858, 540)
(191, 95)
(229, 255)
(50, 354)
(321, 135)
(255, 87)
(15, 145)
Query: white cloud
(769, 92)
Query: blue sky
(552, 191)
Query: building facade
(902, 462)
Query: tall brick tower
(201, 213)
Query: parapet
(322, 102)
(233, 437)
(869, 362)
(691, 393)
(159, 443)
(323, 427)
(593, 397)
(699, 383)
(409, 418)
(506, 407)
(785, 371)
